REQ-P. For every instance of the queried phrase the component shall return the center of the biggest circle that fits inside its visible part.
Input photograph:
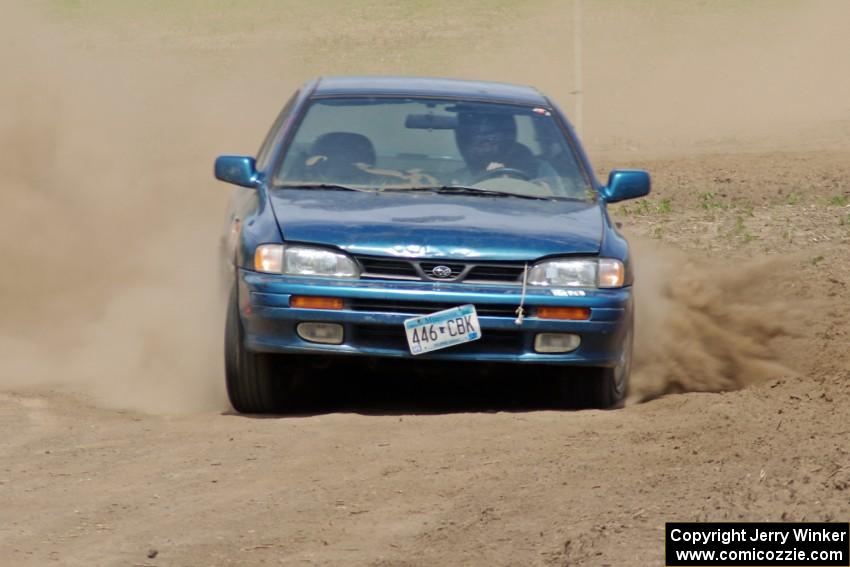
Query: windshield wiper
(466, 190)
(331, 186)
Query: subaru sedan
(424, 219)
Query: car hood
(427, 225)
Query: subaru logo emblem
(441, 272)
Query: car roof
(429, 87)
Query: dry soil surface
(407, 481)
(115, 445)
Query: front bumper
(376, 309)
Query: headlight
(580, 272)
(303, 261)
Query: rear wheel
(256, 382)
(600, 388)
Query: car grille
(487, 273)
(425, 307)
(458, 272)
(388, 269)
(509, 342)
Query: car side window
(265, 150)
(556, 153)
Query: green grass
(709, 201)
(646, 207)
(740, 231)
(664, 206)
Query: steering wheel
(503, 172)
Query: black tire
(254, 384)
(599, 388)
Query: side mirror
(626, 184)
(239, 170)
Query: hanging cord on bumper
(520, 311)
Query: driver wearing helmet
(488, 144)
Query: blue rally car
(419, 218)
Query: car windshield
(398, 144)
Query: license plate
(442, 329)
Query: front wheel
(254, 381)
(599, 388)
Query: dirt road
(393, 476)
(116, 447)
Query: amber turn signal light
(310, 302)
(569, 313)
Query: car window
(268, 143)
(403, 143)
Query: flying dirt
(705, 328)
(118, 435)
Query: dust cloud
(111, 217)
(110, 224)
(706, 326)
